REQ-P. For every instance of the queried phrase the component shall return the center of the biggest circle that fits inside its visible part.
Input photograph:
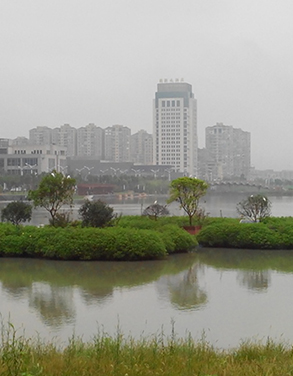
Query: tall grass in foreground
(128, 357)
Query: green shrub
(133, 244)
(17, 212)
(15, 240)
(96, 213)
(148, 223)
(81, 243)
(177, 239)
(243, 235)
(61, 219)
(139, 222)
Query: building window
(13, 161)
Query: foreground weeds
(128, 357)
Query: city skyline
(99, 62)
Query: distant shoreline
(4, 197)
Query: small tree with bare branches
(156, 210)
(254, 208)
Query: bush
(134, 238)
(17, 212)
(177, 239)
(136, 221)
(244, 235)
(81, 243)
(61, 220)
(139, 222)
(96, 213)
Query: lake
(224, 296)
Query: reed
(125, 356)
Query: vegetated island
(269, 233)
(100, 235)
(141, 238)
(131, 238)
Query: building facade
(228, 151)
(90, 141)
(33, 159)
(175, 127)
(65, 136)
(117, 143)
(142, 148)
(40, 136)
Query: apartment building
(65, 136)
(228, 151)
(40, 136)
(142, 148)
(117, 143)
(90, 141)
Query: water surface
(227, 296)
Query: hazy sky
(94, 61)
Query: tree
(54, 191)
(17, 212)
(187, 191)
(96, 213)
(156, 210)
(254, 208)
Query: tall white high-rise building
(175, 127)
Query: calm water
(225, 296)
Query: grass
(157, 355)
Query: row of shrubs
(272, 233)
(111, 243)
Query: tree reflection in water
(54, 303)
(256, 280)
(183, 289)
(98, 296)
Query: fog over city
(94, 61)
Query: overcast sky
(99, 61)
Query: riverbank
(157, 355)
